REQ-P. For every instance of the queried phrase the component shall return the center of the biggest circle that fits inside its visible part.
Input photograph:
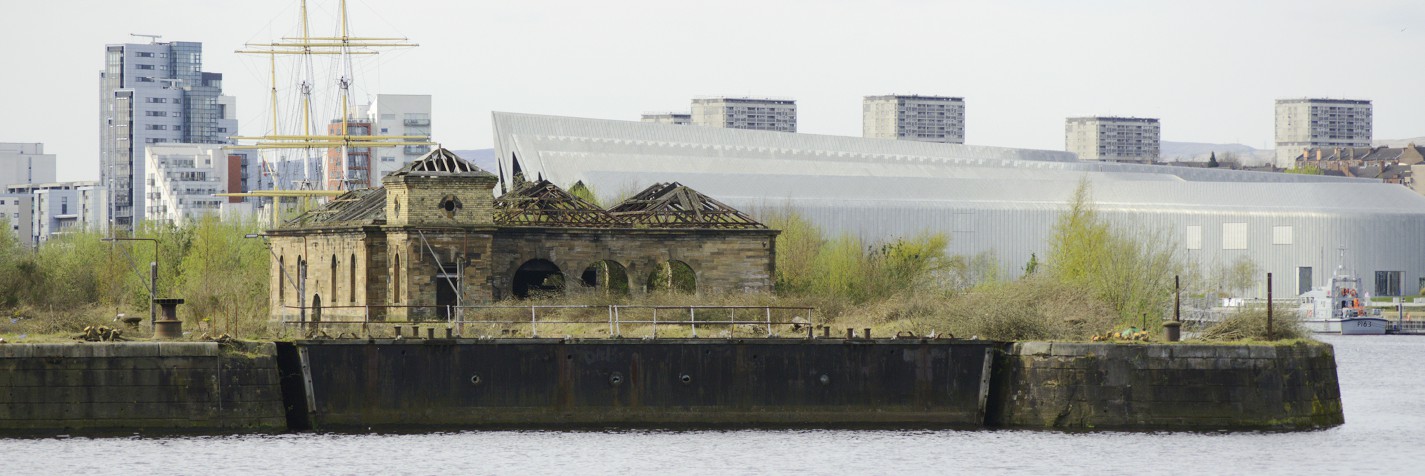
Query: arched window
(281, 280)
(396, 280)
(353, 278)
(333, 279)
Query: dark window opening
(537, 278)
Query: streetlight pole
(152, 276)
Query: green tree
(1212, 161)
(1129, 269)
(584, 192)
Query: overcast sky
(1209, 70)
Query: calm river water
(1382, 383)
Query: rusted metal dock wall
(138, 386)
(1083, 386)
(556, 383)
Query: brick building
(435, 236)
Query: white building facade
(25, 162)
(677, 118)
(183, 179)
(154, 93)
(763, 114)
(1310, 123)
(16, 211)
(1113, 139)
(996, 202)
(398, 115)
(913, 117)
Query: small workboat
(1340, 308)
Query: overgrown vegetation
(77, 278)
(1250, 323)
(1094, 277)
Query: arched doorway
(673, 276)
(536, 277)
(608, 276)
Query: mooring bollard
(826, 332)
(169, 327)
(811, 332)
(867, 335)
(448, 333)
(1173, 331)
(850, 333)
(430, 332)
(398, 331)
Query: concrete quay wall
(138, 386)
(1084, 386)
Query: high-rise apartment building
(154, 93)
(913, 117)
(675, 118)
(1320, 123)
(1113, 139)
(25, 162)
(746, 113)
(389, 115)
(184, 178)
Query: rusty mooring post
(430, 332)
(169, 327)
(850, 333)
(398, 331)
(1269, 306)
(1173, 331)
(826, 332)
(1177, 300)
(868, 333)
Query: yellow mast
(308, 45)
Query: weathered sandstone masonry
(1207, 387)
(162, 387)
(419, 383)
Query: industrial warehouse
(1001, 202)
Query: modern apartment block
(183, 178)
(676, 118)
(913, 117)
(57, 207)
(387, 115)
(399, 115)
(15, 213)
(1113, 139)
(1311, 123)
(746, 113)
(154, 93)
(25, 162)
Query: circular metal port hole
(616, 378)
(475, 379)
(685, 378)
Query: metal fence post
(769, 321)
(533, 323)
(655, 323)
(693, 316)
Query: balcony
(416, 149)
(416, 122)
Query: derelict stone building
(434, 236)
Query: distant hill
(1201, 151)
(482, 158)
(1399, 142)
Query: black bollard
(1173, 331)
(868, 333)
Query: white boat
(1340, 308)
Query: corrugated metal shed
(989, 199)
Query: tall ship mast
(342, 148)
